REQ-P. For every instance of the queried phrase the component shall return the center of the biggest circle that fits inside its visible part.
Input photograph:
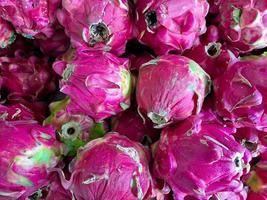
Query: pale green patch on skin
(126, 82)
(151, 62)
(40, 155)
(68, 71)
(11, 39)
(28, 36)
(45, 136)
(236, 15)
(8, 194)
(192, 87)
(124, 106)
(198, 71)
(24, 181)
(43, 156)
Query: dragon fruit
(216, 161)
(28, 151)
(75, 130)
(242, 98)
(56, 45)
(210, 54)
(105, 25)
(170, 88)
(31, 18)
(244, 23)
(116, 168)
(130, 124)
(16, 112)
(98, 83)
(7, 35)
(257, 182)
(169, 25)
(25, 76)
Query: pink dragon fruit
(116, 168)
(75, 130)
(169, 25)
(7, 34)
(242, 98)
(199, 158)
(210, 54)
(251, 139)
(105, 25)
(98, 83)
(257, 182)
(16, 112)
(29, 77)
(170, 88)
(56, 45)
(130, 123)
(28, 151)
(31, 18)
(244, 23)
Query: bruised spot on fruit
(151, 19)
(98, 33)
(213, 49)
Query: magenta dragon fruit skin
(241, 93)
(101, 24)
(56, 45)
(116, 168)
(27, 76)
(130, 124)
(169, 25)
(28, 151)
(210, 54)
(98, 83)
(7, 34)
(31, 18)
(170, 88)
(244, 23)
(199, 159)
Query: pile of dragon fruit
(133, 99)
